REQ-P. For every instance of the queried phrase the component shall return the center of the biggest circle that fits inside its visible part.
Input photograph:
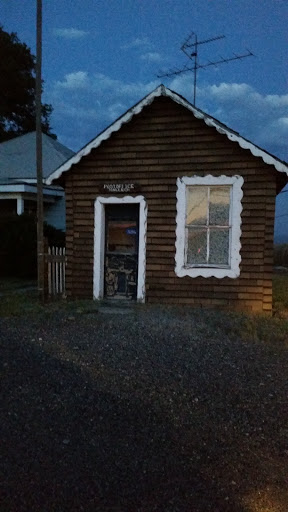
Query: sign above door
(119, 188)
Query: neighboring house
(169, 205)
(18, 177)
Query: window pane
(196, 246)
(219, 206)
(219, 246)
(197, 201)
(121, 236)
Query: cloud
(77, 80)
(70, 33)
(137, 43)
(85, 104)
(229, 94)
(261, 118)
(283, 121)
(151, 57)
(99, 85)
(77, 112)
(115, 110)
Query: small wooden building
(169, 205)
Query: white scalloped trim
(161, 90)
(235, 244)
(99, 243)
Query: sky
(100, 57)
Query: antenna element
(190, 48)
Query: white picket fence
(56, 264)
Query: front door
(121, 251)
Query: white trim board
(99, 243)
(30, 189)
(235, 243)
(28, 196)
(161, 90)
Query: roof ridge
(56, 145)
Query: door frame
(99, 243)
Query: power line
(191, 42)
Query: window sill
(217, 272)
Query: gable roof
(161, 90)
(18, 157)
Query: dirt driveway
(154, 410)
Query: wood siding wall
(162, 143)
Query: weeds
(280, 292)
(281, 255)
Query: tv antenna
(190, 48)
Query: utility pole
(38, 107)
(192, 43)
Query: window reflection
(122, 236)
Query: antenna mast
(192, 43)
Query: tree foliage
(17, 89)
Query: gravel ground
(160, 409)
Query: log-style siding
(163, 142)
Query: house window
(208, 226)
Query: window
(208, 226)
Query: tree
(17, 89)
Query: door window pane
(196, 246)
(219, 206)
(197, 205)
(122, 236)
(219, 246)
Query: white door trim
(99, 243)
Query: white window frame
(233, 270)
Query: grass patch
(257, 328)
(281, 255)
(27, 303)
(16, 304)
(280, 293)
(14, 284)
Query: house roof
(161, 90)
(18, 157)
